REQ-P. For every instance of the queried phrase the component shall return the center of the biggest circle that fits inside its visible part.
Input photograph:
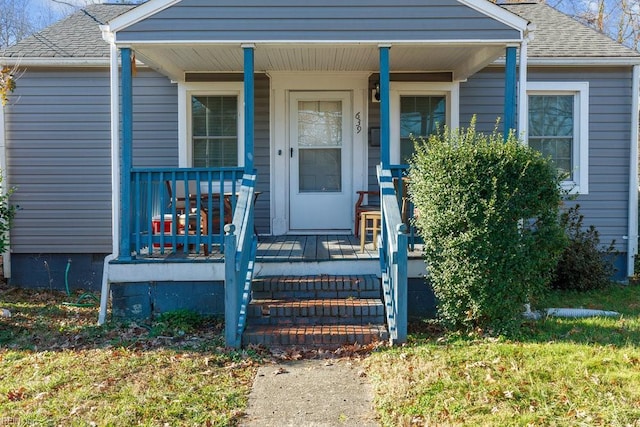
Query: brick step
(316, 312)
(314, 336)
(316, 287)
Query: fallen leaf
(280, 371)
(16, 395)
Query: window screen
(214, 131)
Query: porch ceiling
(462, 60)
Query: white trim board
(496, 12)
(140, 13)
(580, 90)
(282, 83)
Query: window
(420, 116)
(558, 128)
(210, 124)
(214, 131)
(419, 109)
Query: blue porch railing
(240, 255)
(174, 209)
(393, 258)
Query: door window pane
(551, 129)
(420, 116)
(320, 146)
(319, 123)
(320, 170)
(214, 131)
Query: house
(272, 115)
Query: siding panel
(58, 154)
(58, 158)
(262, 151)
(292, 20)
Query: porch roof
(179, 37)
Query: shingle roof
(560, 36)
(77, 36)
(556, 36)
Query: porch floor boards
(294, 248)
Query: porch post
(510, 86)
(249, 107)
(523, 101)
(126, 155)
(385, 115)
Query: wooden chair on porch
(371, 205)
(404, 202)
(407, 210)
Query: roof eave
(576, 61)
(140, 13)
(584, 61)
(498, 13)
(55, 62)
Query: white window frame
(185, 128)
(451, 92)
(580, 91)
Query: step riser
(265, 310)
(364, 320)
(315, 294)
(277, 284)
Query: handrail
(240, 248)
(393, 258)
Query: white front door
(320, 150)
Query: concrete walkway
(314, 393)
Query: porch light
(375, 93)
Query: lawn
(557, 372)
(58, 368)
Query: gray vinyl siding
(59, 161)
(294, 20)
(262, 152)
(59, 154)
(606, 205)
(155, 120)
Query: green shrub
(584, 264)
(488, 214)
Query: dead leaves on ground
(293, 353)
(16, 395)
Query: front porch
(311, 113)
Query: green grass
(564, 372)
(58, 368)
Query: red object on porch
(159, 227)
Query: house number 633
(358, 123)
